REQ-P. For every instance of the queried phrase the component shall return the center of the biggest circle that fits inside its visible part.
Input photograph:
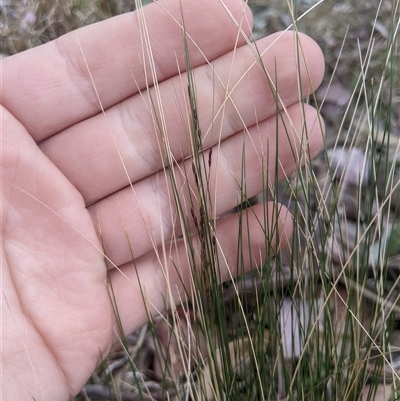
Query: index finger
(49, 88)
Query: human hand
(68, 198)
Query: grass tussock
(318, 320)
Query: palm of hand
(56, 308)
(54, 275)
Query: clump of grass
(307, 324)
(327, 330)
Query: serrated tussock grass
(316, 320)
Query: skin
(65, 193)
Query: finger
(135, 220)
(49, 88)
(125, 147)
(165, 276)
